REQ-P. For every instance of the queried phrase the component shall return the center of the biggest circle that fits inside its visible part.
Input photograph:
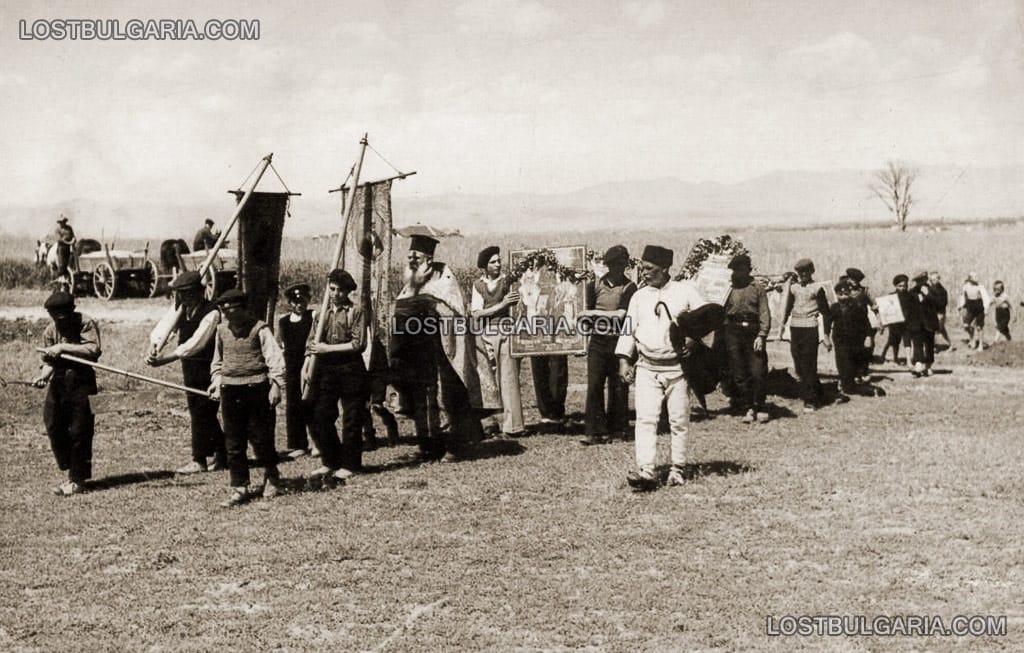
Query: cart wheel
(104, 281)
(152, 279)
(211, 286)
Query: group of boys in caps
(247, 368)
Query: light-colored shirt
(649, 322)
(204, 333)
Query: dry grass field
(908, 504)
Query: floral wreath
(705, 247)
(546, 258)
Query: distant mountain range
(791, 198)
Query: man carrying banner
(196, 331)
(648, 357)
(433, 356)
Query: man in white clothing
(647, 356)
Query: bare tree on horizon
(892, 185)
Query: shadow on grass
(111, 482)
(696, 471)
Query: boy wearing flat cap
(196, 334)
(648, 357)
(806, 302)
(247, 374)
(340, 376)
(607, 298)
(292, 333)
(745, 332)
(70, 423)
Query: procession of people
(462, 386)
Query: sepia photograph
(512, 325)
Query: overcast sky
(493, 96)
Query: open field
(910, 504)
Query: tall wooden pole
(339, 258)
(212, 254)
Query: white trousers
(653, 388)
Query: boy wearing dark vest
(492, 300)
(340, 376)
(196, 331)
(247, 375)
(292, 333)
(69, 421)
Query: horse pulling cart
(111, 272)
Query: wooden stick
(339, 254)
(379, 181)
(212, 253)
(130, 375)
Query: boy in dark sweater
(292, 332)
(247, 375)
(850, 328)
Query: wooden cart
(112, 272)
(175, 258)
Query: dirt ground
(907, 504)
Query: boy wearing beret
(247, 375)
(340, 376)
(70, 423)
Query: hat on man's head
(342, 279)
(485, 256)
(299, 292)
(616, 254)
(855, 274)
(59, 302)
(740, 261)
(187, 280)
(804, 264)
(232, 297)
(922, 274)
(660, 256)
(209, 222)
(423, 244)
(899, 278)
(62, 220)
